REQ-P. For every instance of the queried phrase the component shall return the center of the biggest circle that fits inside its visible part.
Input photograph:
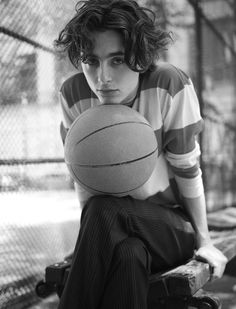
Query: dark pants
(121, 242)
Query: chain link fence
(31, 75)
(40, 220)
(39, 216)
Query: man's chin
(110, 102)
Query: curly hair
(142, 38)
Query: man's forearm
(196, 209)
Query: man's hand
(214, 257)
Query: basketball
(110, 149)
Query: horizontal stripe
(68, 115)
(182, 141)
(183, 110)
(76, 88)
(82, 106)
(149, 105)
(186, 160)
(158, 134)
(167, 77)
(190, 188)
(189, 173)
(63, 132)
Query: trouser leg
(105, 223)
(102, 227)
(127, 280)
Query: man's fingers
(214, 258)
(216, 272)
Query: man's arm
(196, 209)
(182, 123)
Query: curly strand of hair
(143, 39)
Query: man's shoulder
(74, 82)
(167, 77)
(75, 88)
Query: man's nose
(104, 74)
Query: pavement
(36, 229)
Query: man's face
(106, 72)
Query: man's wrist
(203, 240)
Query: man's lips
(107, 91)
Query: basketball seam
(104, 192)
(109, 126)
(114, 164)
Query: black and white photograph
(118, 154)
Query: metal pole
(23, 38)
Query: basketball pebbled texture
(111, 149)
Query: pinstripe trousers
(120, 243)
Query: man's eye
(118, 61)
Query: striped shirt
(167, 99)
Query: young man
(115, 45)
